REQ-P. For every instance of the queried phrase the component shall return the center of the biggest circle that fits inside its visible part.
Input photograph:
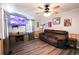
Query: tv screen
(16, 20)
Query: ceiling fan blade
(56, 7)
(40, 8)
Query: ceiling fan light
(47, 14)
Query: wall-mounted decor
(56, 20)
(49, 24)
(37, 24)
(67, 22)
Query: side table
(73, 43)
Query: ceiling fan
(47, 9)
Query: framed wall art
(49, 24)
(67, 22)
(56, 20)
(37, 24)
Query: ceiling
(32, 7)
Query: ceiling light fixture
(47, 14)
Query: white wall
(1, 24)
(39, 18)
(73, 14)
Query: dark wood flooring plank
(47, 51)
(31, 48)
(28, 50)
(33, 44)
(33, 52)
(65, 52)
(38, 47)
(55, 52)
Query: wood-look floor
(38, 47)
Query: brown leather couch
(56, 38)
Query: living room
(63, 18)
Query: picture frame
(37, 24)
(56, 21)
(67, 22)
(50, 24)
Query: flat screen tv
(17, 20)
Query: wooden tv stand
(17, 38)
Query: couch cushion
(52, 39)
(59, 37)
(48, 34)
(56, 36)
